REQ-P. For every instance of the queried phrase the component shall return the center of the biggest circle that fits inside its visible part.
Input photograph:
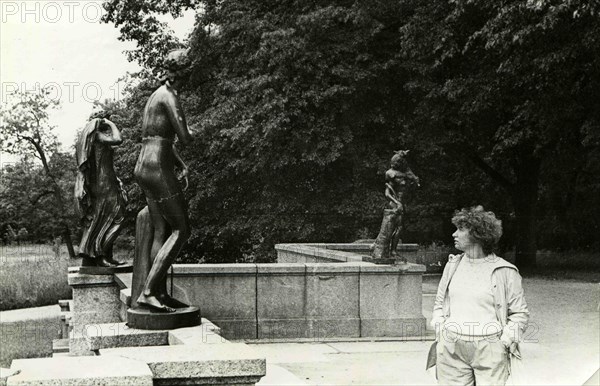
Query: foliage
(297, 108)
(138, 21)
(508, 86)
(27, 200)
(26, 131)
(33, 276)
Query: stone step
(66, 305)
(84, 371)
(200, 364)
(61, 354)
(60, 346)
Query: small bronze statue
(163, 226)
(100, 197)
(397, 179)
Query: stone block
(208, 364)
(397, 327)
(281, 301)
(28, 332)
(125, 298)
(76, 279)
(237, 329)
(95, 300)
(391, 301)
(284, 328)
(78, 345)
(333, 300)
(387, 293)
(206, 333)
(109, 335)
(224, 292)
(84, 371)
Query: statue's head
(398, 160)
(101, 114)
(176, 65)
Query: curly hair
(483, 226)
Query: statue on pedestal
(163, 226)
(100, 198)
(397, 179)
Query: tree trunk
(66, 230)
(525, 197)
(57, 194)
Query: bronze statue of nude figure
(164, 120)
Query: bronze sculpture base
(92, 270)
(380, 260)
(146, 319)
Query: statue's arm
(177, 119)
(183, 166)
(113, 138)
(412, 176)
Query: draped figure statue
(100, 198)
(397, 179)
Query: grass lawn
(33, 275)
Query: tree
(298, 106)
(507, 86)
(26, 130)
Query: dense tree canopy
(297, 108)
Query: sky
(63, 45)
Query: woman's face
(462, 239)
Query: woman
(480, 310)
(101, 199)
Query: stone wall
(305, 300)
(337, 252)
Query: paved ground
(562, 346)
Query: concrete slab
(109, 335)
(5, 373)
(84, 371)
(234, 363)
(205, 333)
(295, 352)
(278, 376)
(28, 332)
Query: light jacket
(509, 301)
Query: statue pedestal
(91, 270)
(381, 261)
(147, 319)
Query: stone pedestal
(154, 320)
(95, 301)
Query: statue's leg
(162, 231)
(142, 261)
(397, 224)
(174, 212)
(111, 236)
